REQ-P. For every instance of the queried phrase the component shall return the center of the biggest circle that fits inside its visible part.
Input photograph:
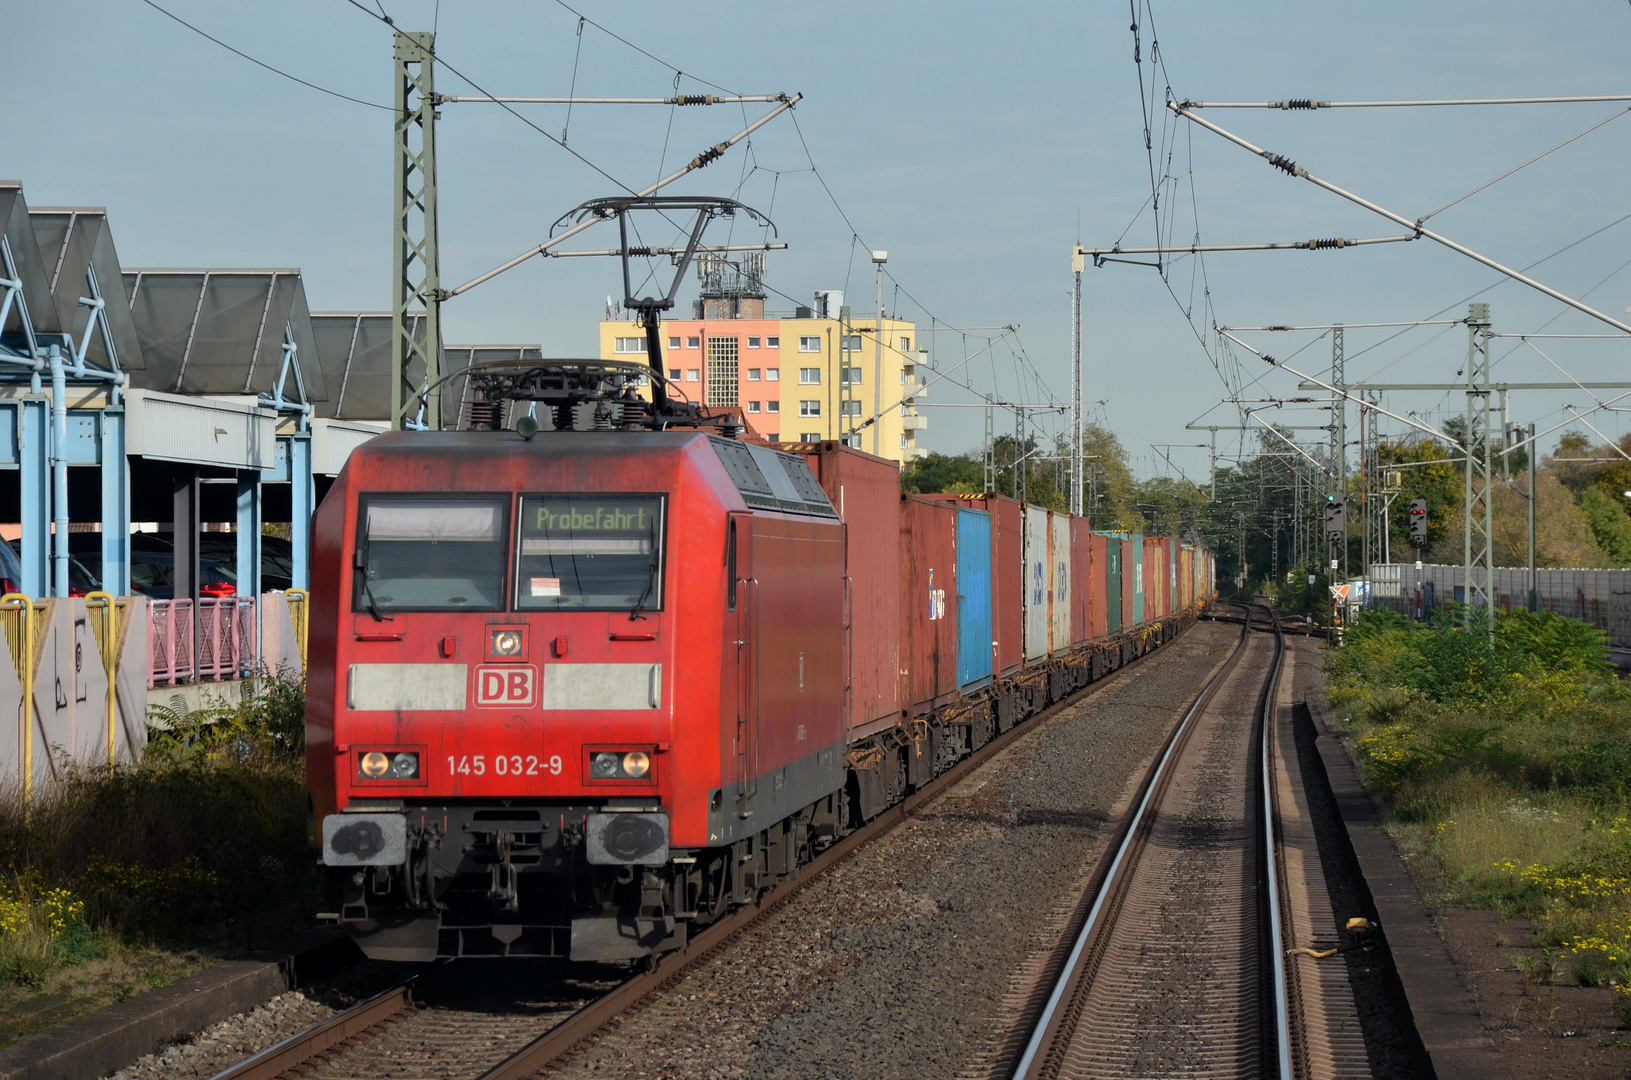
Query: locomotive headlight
(619, 765)
(506, 643)
(389, 765)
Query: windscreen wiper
(651, 577)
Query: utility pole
(416, 286)
(1339, 431)
(1021, 466)
(1078, 262)
(1534, 593)
(878, 259)
(990, 448)
(1478, 547)
(846, 385)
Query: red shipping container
(1081, 582)
(866, 492)
(928, 557)
(1098, 611)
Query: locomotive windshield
(431, 554)
(590, 553)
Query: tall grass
(1507, 762)
(209, 828)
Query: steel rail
(1047, 1023)
(1271, 854)
(559, 1040)
(275, 1060)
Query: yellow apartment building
(799, 379)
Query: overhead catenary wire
(1293, 169)
(263, 64)
(1525, 165)
(1311, 104)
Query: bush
(209, 828)
(1506, 760)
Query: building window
(631, 344)
(906, 345)
(903, 442)
(693, 343)
(692, 374)
(809, 436)
(851, 344)
(773, 374)
(722, 372)
(753, 373)
(852, 375)
(753, 406)
(809, 376)
(773, 342)
(673, 343)
(753, 343)
(849, 408)
(673, 374)
(773, 437)
(809, 344)
(773, 406)
(808, 407)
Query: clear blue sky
(976, 142)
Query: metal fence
(215, 640)
(1593, 596)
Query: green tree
(1427, 475)
(962, 473)
(1610, 525)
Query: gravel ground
(913, 958)
(238, 1037)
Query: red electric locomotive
(573, 693)
(562, 686)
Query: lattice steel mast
(1479, 547)
(416, 324)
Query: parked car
(152, 564)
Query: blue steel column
(302, 504)
(249, 544)
(33, 439)
(249, 534)
(59, 474)
(115, 503)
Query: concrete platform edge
(110, 1039)
(1440, 1002)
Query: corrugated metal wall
(1059, 562)
(1036, 582)
(974, 643)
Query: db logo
(504, 686)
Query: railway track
(395, 1034)
(1178, 964)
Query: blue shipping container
(973, 598)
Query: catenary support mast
(416, 326)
